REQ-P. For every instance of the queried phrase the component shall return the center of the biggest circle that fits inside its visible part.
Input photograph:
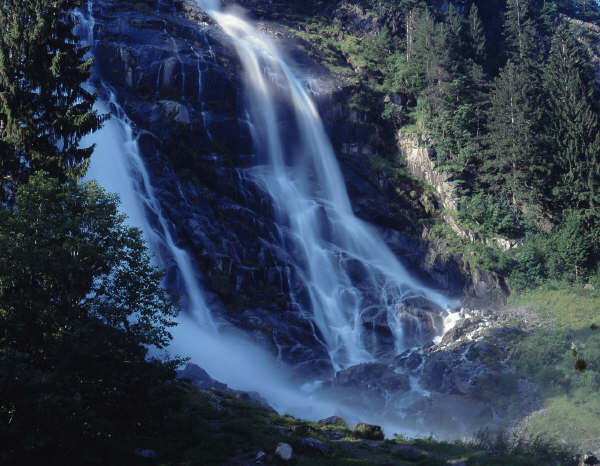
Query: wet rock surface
(178, 79)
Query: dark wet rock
(368, 431)
(588, 458)
(261, 457)
(377, 335)
(177, 77)
(370, 386)
(200, 377)
(421, 320)
(409, 360)
(377, 378)
(485, 288)
(312, 446)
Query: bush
(487, 216)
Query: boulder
(333, 421)
(588, 458)
(175, 111)
(261, 457)
(200, 377)
(284, 451)
(368, 431)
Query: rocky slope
(177, 77)
(239, 431)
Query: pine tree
(515, 165)
(430, 49)
(455, 24)
(584, 7)
(520, 33)
(574, 124)
(411, 10)
(44, 110)
(477, 35)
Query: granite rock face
(177, 77)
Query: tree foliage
(574, 125)
(44, 108)
(79, 304)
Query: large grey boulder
(284, 451)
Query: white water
(311, 202)
(228, 357)
(231, 357)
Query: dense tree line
(507, 95)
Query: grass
(571, 406)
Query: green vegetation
(79, 305)
(517, 129)
(44, 109)
(221, 428)
(80, 301)
(569, 332)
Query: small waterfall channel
(346, 267)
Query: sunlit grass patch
(563, 357)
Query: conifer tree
(477, 35)
(455, 24)
(519, 33)
(515, 164)
(411, 9)
(44, 110)
(574, 125)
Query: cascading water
(317, 226)
(346, 267)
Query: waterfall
(327, 242)
(228, 356)
(345, 265)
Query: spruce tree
(44, 109)
(514, 166)
(477, 35)
(520, 33)
(574, 125)
(411, 9)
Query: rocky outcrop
(420, 162)
(472, 365)
(368, 431)
(177, 78)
